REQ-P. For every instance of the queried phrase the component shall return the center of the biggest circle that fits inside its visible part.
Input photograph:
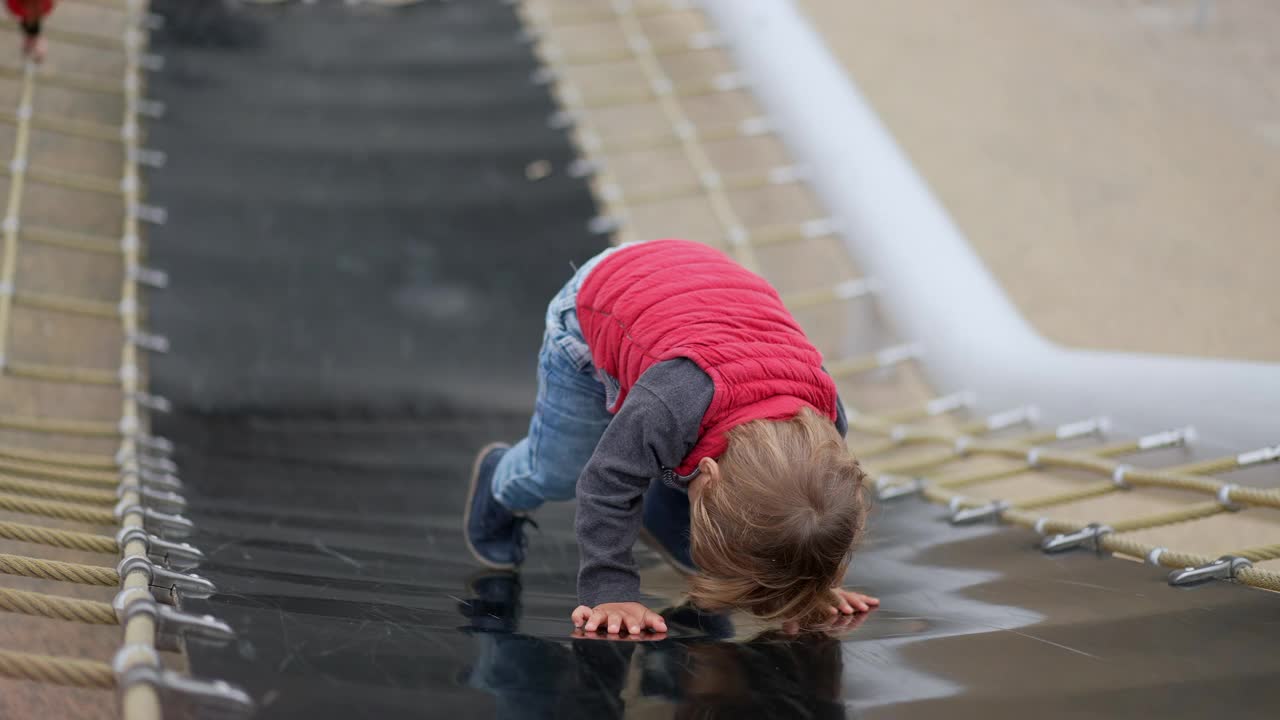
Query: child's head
(774, 522)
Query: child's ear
(709, 469)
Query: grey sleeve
(654, 429)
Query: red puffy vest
(667, 299)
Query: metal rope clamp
(1224, 497)
(153, 478)
(155, 443)
(166, 525)
(970, 515)
(175, 555)
(131, 430)
(172, 624)
(165, 501)
(137, 664)
(154, 403)
(1089, 534)
(892, 487)
(150, 342)
(1224, 568)
(151, 277)
(147, 462)
(167, 584)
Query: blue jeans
(569, 415)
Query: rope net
(647, 91)
(87, 496)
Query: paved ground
(1116, 163)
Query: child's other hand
(615, 617)
(848, 602)
(847, 613)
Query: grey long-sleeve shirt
(651, 433)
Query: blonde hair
(776, 531)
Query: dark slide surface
(360, 266)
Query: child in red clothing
(682, 405)
(30, 13)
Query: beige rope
(55, 509)
(64, 374)
(60, 426)
(74, 181)
(906, 435)
(53, 491)
(56, 670)
(640, 143)
(628, 19)
(613, 56)
(965, 479)
(9, 261)
(67, 304)
(1172, 517)
(1181, 478)
(742, 181)
(71, 540)
(82, 476)
(799, 299)
(1259, 554)
(1255, 577)
(77, 128)
(141, 701)
(563, 19)
(87, 461)
(777, 234)
(854, 366)
(90, 612)
(55, 570)
(70, 240)
(1068, 496)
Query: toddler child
(681, 403)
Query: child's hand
(634, 617)
(848, 602)
(847, 613)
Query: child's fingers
(593, 622)
(581, 615)
(859, 601)
(844, 606)
(615, 623)
(653, 621)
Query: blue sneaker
(494, 534)
(665, 528)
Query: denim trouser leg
(569, 415)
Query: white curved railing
(935, 289)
